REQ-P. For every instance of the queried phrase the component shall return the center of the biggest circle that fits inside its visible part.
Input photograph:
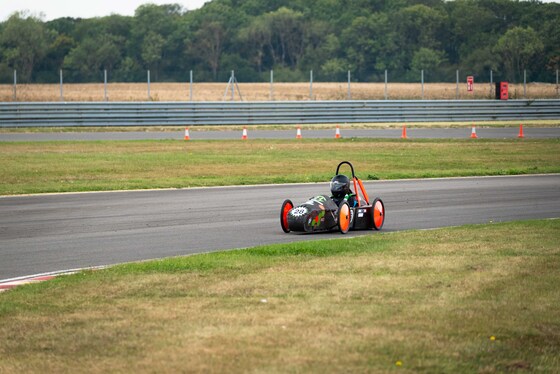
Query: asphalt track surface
(412, 133)
(46, 233)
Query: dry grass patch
(429, 299)
(261, 91)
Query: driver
(340, 190)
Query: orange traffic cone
(473, 133)
(298, 133)
(521, 132)
(403, 136)
(187, 137)
(244, 136)
(337, 133)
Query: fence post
(149, 96)
(557, 92)
(524, 83)
(349, 91)
(271, 95)
(105, 83)
(232, 85)
(15, 85)
(311, 85)
(422, 77)
(491, 83)
(457, 89)
(190, 86)
(61, 87)
(385, 84)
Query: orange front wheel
(344, 217)
(287, 205)
(378, 213)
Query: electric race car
(344, 210)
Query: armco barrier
(24, 114)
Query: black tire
(377, 214)
(343, 217)
(287, 205)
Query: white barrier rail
(51, 114)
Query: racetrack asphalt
(53, 232)
(412, 133)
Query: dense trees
(25, 41)
(518, 48)
(292, 37)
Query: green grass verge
(37, 167)
(481, 298)
(529, 123)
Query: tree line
(290, 37)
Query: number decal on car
(299, 211)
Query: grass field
(36, 167)
(456, 300)
(261, 91)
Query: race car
(343, 210)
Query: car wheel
(378, 213)
(344, 217)
(287, 205)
